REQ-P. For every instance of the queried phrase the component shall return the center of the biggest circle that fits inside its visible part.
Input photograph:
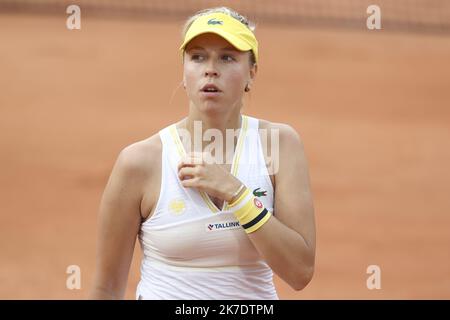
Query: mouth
(210, 89)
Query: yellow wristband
(249, 211)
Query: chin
(211, 107)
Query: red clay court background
(372, 108)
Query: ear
(253, 71)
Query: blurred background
(372, 107)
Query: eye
(196, 57)
(228, 58)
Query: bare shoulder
(139, 157)
(282, 143)
(134, 167)
(144, 160)
(281, 137)
(287, 133)
(140, 166)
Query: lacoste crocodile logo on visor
(214, 21)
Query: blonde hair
(243, 19)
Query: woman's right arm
(118, 225)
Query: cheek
(234, 75)
(236, 80)
(190, 74)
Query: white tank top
(193, 250)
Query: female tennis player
(210, 228)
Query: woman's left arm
(287, 240)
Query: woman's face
(210, 59)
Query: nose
(211, 70)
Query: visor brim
(239, 44)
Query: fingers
(191, 160)
(189, 177)
(187, 173)
(190, 183)
(191, 171)
(185, 164)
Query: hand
(195, 172)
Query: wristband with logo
(249, 211)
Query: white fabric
(192, 252)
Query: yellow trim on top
(209, 202)
(176, 139)
(240, 144)
(237, 154)
(182, 152)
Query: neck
(197, 123)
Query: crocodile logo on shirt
(257, 193)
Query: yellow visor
(229, 28)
